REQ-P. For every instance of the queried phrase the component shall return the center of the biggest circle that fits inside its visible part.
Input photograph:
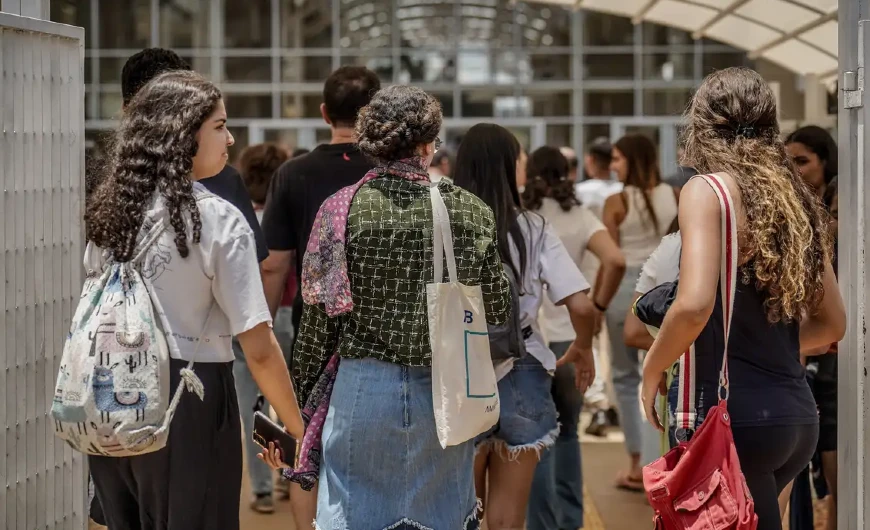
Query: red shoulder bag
(699, 485)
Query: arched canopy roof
(800, 35)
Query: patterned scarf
(325, 281)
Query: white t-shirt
(575, 228)
(220, 270)
(593, 192)
(663, 264)
(547, 264)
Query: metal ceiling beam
(754, 54)
(735, 5)
(638, 17)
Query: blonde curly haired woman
(787, 299)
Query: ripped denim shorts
(528, 418)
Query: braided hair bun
(396, 122)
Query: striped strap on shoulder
(686, 414)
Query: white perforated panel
(42, 482)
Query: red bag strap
(686, 413)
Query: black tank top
(768, 385)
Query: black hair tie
(746, 131)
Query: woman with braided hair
(364, 281)
(786, 300)
(203, 271)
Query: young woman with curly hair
(204, 273)
(787, 298)
(557, 491)
(364, 281)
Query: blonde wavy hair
(731, 127)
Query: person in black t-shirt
(296, 192)
(302, 184)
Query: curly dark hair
(152, 150)
(731, 126)
(548, 177)
(397, 121)
(257, 164)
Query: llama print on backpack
(114, 381)
(110, 399)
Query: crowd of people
(311, 259)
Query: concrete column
(27, 8)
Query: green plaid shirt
(390, 261)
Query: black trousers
(770, 458)
(193, 483)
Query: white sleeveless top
(638, 237)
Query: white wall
(42, 481)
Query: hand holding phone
(266, 431)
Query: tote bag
(699, 484)
(464, 388)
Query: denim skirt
(382, 465)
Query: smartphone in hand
(266, 430)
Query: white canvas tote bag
(464, 388)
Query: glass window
(301, 105)
(446, 99)
(248, 69)
(425, 24)
(110, 69)
(306, 24)
(560, 135)
(379, 64)
(600, 29)
(247, 24)
(89, 67)
(74, 13)
(240, 134)
(609, 103)
(199, 64)
(550, 103)
(668, 66)
(653, 132)
(484, 67)
(669, 102)
(427, 67)
(711, 62)
(288, 138)
(487, 22)
(544, 67)
(544, 26)
(482, 103)
(367, 24)
(125, 24)
(608, 66)
(656, 35)
(184, 24)
(110, 105)
(593, 131)
(248, 105)
(305, 69)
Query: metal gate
(854, 48)
(42, 481)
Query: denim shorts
(383, 467)
(528, 419)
